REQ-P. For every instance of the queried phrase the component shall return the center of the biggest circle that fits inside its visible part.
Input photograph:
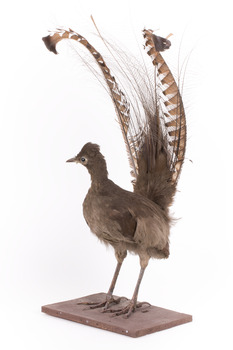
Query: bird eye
(83, 159)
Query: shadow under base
(145, 320)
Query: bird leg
(131, 307)
(109, 298)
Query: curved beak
(72, 160)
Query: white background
(50, 106)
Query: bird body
(126, 221)
(123, 219)
(153, 125)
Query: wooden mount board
(145, 320)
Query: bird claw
(105, 304)
(126, 311)
(110, 301)
(129, 309)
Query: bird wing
(123, 226)
(109, 218)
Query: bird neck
(98, 171)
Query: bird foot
(128, 309)
(105, 304)
(109, 305)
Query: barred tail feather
(150, 113)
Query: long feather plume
(150, 112)
(122, 106)
(171, 105)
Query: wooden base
(145, 320)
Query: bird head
(93, 160)
(87, 155)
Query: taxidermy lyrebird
(152, 120)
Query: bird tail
(162, 148)
(150, 113)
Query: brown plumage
(152, 121)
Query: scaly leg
(109, 298)
(131, 307)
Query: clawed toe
(93, 305)
(125, 308)
(105, 304)
(126, 311)
(129, 309)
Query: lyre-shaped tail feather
(171, 106)
(121, 104)
(151, 117)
